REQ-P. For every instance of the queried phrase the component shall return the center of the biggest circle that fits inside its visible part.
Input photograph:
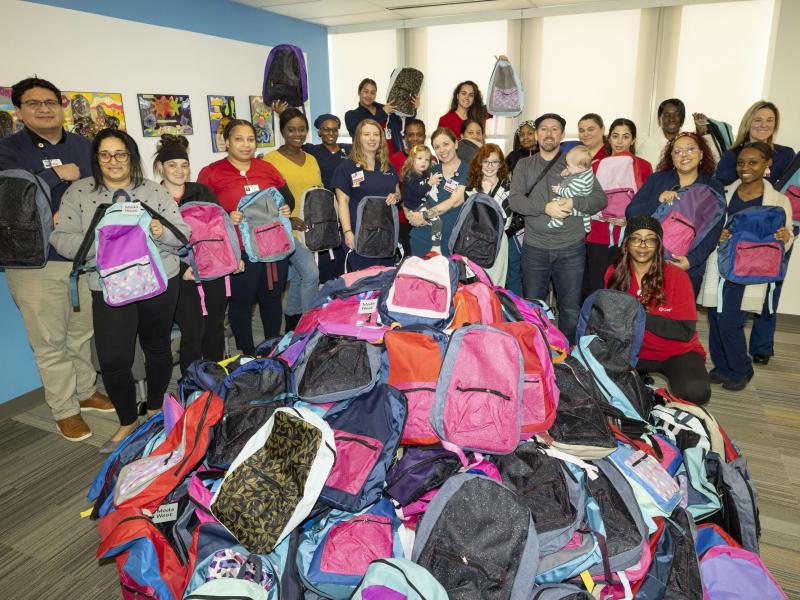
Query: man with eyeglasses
(60, 338)
(557, 253)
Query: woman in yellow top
(301, 172)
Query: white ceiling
(358, 15)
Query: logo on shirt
(664, 309)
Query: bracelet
(348, 231)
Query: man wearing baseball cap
(556, 253)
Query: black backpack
(377, 228)
(285, 76)
(479, 230)
(26, 220)
(321, 220)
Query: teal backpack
(400, 579)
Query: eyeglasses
(650, 242)
(120, 157)
(34, 104)
(687, 151)
(490, 163)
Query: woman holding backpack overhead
(726, 337)
(686, 161)
(670, 345)
(230, 178)
(603, 240)
(382, 114)
(367, 172)
(202, 336)
(117, 180)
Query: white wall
(115, 55)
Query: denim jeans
(565, 267)
(303, 280)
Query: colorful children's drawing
(165, 113)
(221, 109)
(86, 113)
(263, 120)
(9, 124)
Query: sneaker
(737, 386)
(97, 402)
(716, 377)
(73, 428)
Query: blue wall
(18, 373)
(227, 19)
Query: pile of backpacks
(423, 434)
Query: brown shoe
(97, 402)
(74, 428)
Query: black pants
(115, 331)
(598, 258)
(201, 336)
(252, 286)
(687, 375)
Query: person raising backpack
(670, 346)
(117, 173)
(726, 337)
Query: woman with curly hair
(670, 346)
(687, 161)
(467, 103)
(488, 173)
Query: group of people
(546, 190)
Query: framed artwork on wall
(221, 109)
(165, 113)
(86, 113)
(264, 121)
(9, 124)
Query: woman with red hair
(687, 161)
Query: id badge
(357, 178)
(450, 185)
(249, 189)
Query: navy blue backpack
(617, 318)
(752, 254)
(367, 432)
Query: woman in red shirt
(671, 346)
(467, 103)
(230, 178)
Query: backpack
(580, 427)
(404, 84)
(421, 293)
(127, 258)
(285, 76)
(334, 368)
(789, 186)
(414, 354)
(354, 283)
(227, 588)
(26, 219)
(536, 312)
(367, 432)
(419, 471)
(738, 498)
(688, 219)
(722, 134)
(615, 175)
(479, 230)
(617, 318)
(752, 254)
(251, 394)
(275, 480)
(539, 391)
(730, 572)
(337, 548)
(396, 579)
(656, 491)
(504, 97)
(560, 591)
(377, 229)
(266, 236)
(213, 239)
(474, 554)
(477, 405)
(145, 482)
(321, 220)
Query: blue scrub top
(328, 161)
(421, 236)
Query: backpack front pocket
(420, 398)
(356, 456)
(421, 294)
(20, 245)
(465, 577)
(757, 259)
(272, 239)
(335, 366)
(130, 281)
(679, 233)
(480, 417)
(351, 546)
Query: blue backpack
(266, 236)
(688, 219)
(398, 578)
(367, 432)
(337, 548)
(752, 254)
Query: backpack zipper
(684, 222)
(200, 424)
(348, 438)
(408, 469)
(403, 573)
(484, 390)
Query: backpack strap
(80, 258)
(544, 172)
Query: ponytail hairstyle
(408, 166)
(170, 147)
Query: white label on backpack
(132, 209)
(367, 307)
(166, 512)
(249, 189)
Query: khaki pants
(60, 337)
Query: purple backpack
(478, 405)
(730, 572)
(285, 76)
(688, 219)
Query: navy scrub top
(421, 236)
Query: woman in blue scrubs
(446, 198)
(367, 172)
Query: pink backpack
(615, 175)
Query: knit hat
(643, 222)
(326, 117)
